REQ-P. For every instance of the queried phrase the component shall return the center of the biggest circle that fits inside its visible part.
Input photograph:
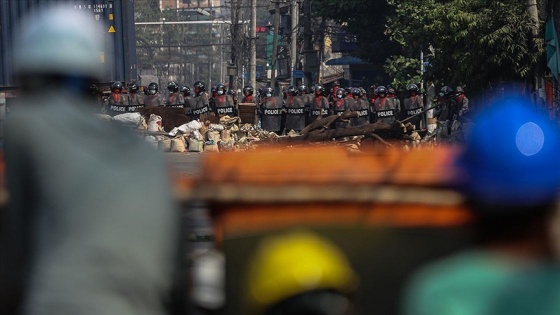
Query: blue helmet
(511, 157)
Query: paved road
(187, 163)
(197, 221)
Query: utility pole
(534, 16)
(275, 43)
(293, 44)
(235, 44)
(252, 46)
(307, 35)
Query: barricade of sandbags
(132, 120)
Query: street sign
(298, 74)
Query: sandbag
(164, 145)
(154, 124)
(153, 141)
(213, 135)
(211, 146)
(226, 146)
(178, 145)
(186, 128)
(129, 119)
(196, 145)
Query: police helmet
(199, 87)
(381, 90)
(412, 87)
(302, 89)
(356, 92)
(336, 83)
(292, 90)
(152, 88)
(248, 90)
(221, 89)
(363, 92)
(172, 86)
(340, 93)
(185, 90)
(446, 91)
(319, 89)
(268, 91)
(512, 167)
(116, 87)
(133, 88)
(391, 90)
(459, 90)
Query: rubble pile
(178, 134)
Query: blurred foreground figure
(511, 179)
(91, 227)
(536, 292)
(300, 272)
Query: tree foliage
(366, 20)
(475, 41)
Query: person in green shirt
(507, 173)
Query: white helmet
(62, 41)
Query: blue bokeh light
(529, 139)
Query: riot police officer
(335, 87)
(199, 105)
(339, 106)
(462, 101)
(295, 110)
(248, 95)
(186, 91)
(174, 99)
(320, 105)
(384, 109)
(271, 111)
(446, 111)
(361, 106)
(116, 103)
(133, 97)
(413, 105)
(223, 103)
(153, 98)
(392, 94)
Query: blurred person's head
(59, 48)
(509, 173)
(300, 272)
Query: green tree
(476, 41)
(366, 20)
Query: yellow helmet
(296, 262)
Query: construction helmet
(294, 263)
(510, 157)
(59, 41)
